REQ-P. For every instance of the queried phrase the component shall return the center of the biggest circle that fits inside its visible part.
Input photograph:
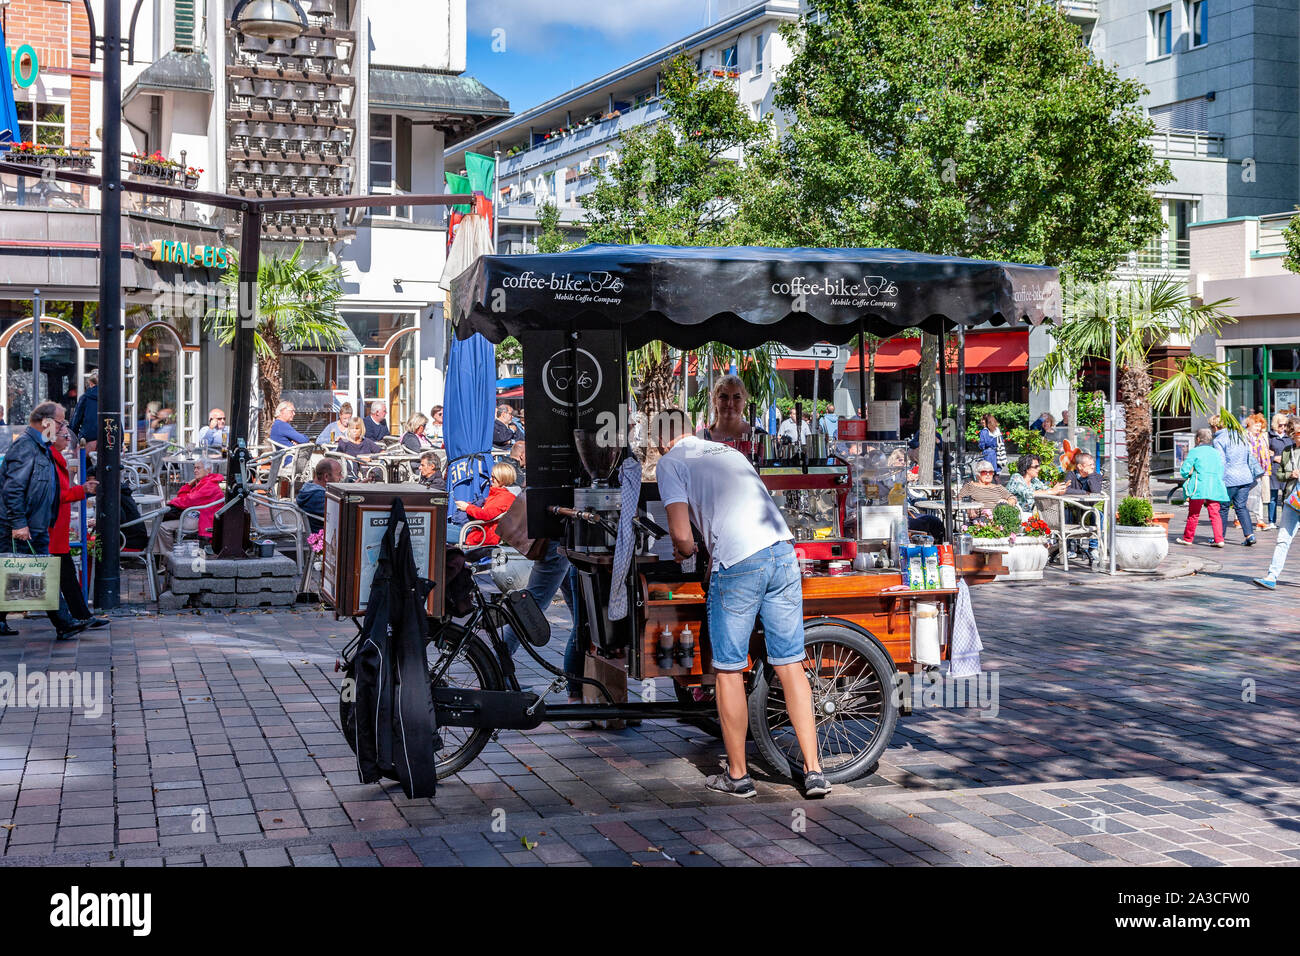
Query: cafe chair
(152, 521)
(174, 533)
(282, 522)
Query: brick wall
(60, 33)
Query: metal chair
(284, 523)
(153, 521)
(188, 525)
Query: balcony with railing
(565, 142)
(1161, 255)
(1080, 11)
(1187, 144)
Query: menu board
(330, 553)
(1286, 401)
(374, 522)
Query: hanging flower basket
(155, 166)
(39, 154)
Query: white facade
(742, 48)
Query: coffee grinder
(598, 497)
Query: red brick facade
(60, 34)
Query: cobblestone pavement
(1136, 721)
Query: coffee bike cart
(577, 315)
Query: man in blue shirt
(282, 431)
(213, 434)
(311, 498)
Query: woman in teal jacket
(1203, 470)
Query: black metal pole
(961, 388)
(944, 447)
(862, 368)
(233, 531)
(107, 513)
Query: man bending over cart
(753, 573)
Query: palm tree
(296, 308)
(1145, 313)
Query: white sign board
(882, 416)
(824, 353)
(1116, 433)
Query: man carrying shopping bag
(29, 507)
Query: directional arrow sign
(825, 353)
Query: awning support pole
(862, 368)
(948, 524)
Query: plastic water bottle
(900, 542)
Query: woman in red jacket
(203, 490)
(498, 502)
(69, 586)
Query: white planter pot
(1140, 549)
(1024, 558)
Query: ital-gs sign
(185, 254)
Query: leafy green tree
(984, 130)
(680, 183)
(550, 237)
(1144, 313)
(1291, 236)
(296, 308)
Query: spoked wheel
(853, 700)
(474, 668)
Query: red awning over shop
(985, 352)
(517, 392)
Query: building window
(1190, 114)
(729, 57)
(1162, 32)
(390, 161)
(1198, 18)
(758, 55)
(45, 123)
(757, 106)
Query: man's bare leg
(733, 714)
(798, 701)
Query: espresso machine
(597, 499)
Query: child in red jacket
(498, 502)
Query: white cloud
(533, 23)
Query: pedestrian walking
(1241, 470)
(993, 448)
(1288, 516)
(85, 419)
(1279, 440)
(60, 532)
(30, 493)
(1257, 440)
(1203, 486)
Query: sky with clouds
(551, 46)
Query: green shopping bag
(29, 582)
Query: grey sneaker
(815, 785)
(725, 783)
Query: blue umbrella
(8, 111)
(470, 400)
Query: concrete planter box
(1140, 549)
(1025, 558)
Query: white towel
(629, 477)
(966, 644)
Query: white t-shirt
(728, 501)
(789, 429)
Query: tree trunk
(929, 399)
(871, 375)
(269, 378)
(658, 393)
(1134, 393)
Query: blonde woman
(728, 425)
(414, 439)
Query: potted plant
(154, 166)
(192, 174)
(1140, 543)
(1022, 544)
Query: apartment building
(364, 101)
(551, 152)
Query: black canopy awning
(745, 296)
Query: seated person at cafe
(282, 431)
(1025, 482)
(214, 433)
(357, 444)
(518, 455)
(203, 490)
(336, 430)
(503, 431)
(1085, 480)
(435, 426)
(984, 490)
(414, 438)
(164, 426)
(311, 497)
(431, 470)
(499, 500)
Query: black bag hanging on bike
(395, 722)
(529, 620)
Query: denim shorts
(766, 585)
